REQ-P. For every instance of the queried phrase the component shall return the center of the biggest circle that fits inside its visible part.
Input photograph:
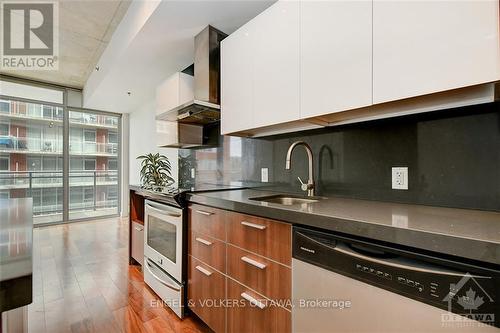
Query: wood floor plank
(83, 284)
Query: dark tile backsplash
(453, 158)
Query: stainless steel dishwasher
(343, 284)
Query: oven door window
(162, 237)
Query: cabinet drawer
(137, 242)
(256, 317)
(206, 294)
(262, 236)
(264, 276)
(208, 250)
(208, 221)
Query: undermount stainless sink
(286, 199)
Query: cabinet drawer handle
(203, 270)
(253, 225)
(202, 212)
(253, 301)
(254, 262)
(203, 241)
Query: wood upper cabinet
(423, 47)
(260, 70)
(335, 56)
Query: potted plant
(155, 171)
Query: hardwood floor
(83, 283)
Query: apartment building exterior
(31, 158)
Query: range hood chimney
(205, 107)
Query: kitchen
(255, 166)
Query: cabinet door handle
(139, 228)
(203, 241)
(253, 225)
(202, 212)
(254, 262)
(203, 270)
(253, 301)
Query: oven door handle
(149, 267)
(161, 211)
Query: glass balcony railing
(93, 119)
(14, 144)
(89, 190)
(33, 145)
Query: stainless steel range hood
(205, 107)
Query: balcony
(12, 144)
(48, 179)
(92, 193)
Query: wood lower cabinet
(254, 313)
(265, 237)
(262, 275)
(207, 249)
(239, 275)
(208, 221)
(207, 294)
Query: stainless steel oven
(163, 253)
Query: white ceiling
(163, 45)
(85, 28)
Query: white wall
(125, 203)
(143, 141)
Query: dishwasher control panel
(459, 288)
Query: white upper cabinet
(422, 47)
(260, 70)
(276, 64)
(335, 56)
(237, 80)
(176, 90)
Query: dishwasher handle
(321, 250)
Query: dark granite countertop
(470, 234)
(16, 253)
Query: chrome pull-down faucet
(309, 186)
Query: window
(4, 106)
(4, 195)
(34, 163)
(88, 195)
(47, 111)
(89, 136)
(31, 141)
(112, 137)
(4, 129)
(75, 163)
(90, 164)
(112, 164)
(112, 193)
(4, 163)
(34, 110)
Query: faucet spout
(309, 187)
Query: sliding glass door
(71, 174)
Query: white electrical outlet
(400, 178)
(264, 175)
(193, 173)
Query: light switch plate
(193, 173)
(400, 178)
(264, 175)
